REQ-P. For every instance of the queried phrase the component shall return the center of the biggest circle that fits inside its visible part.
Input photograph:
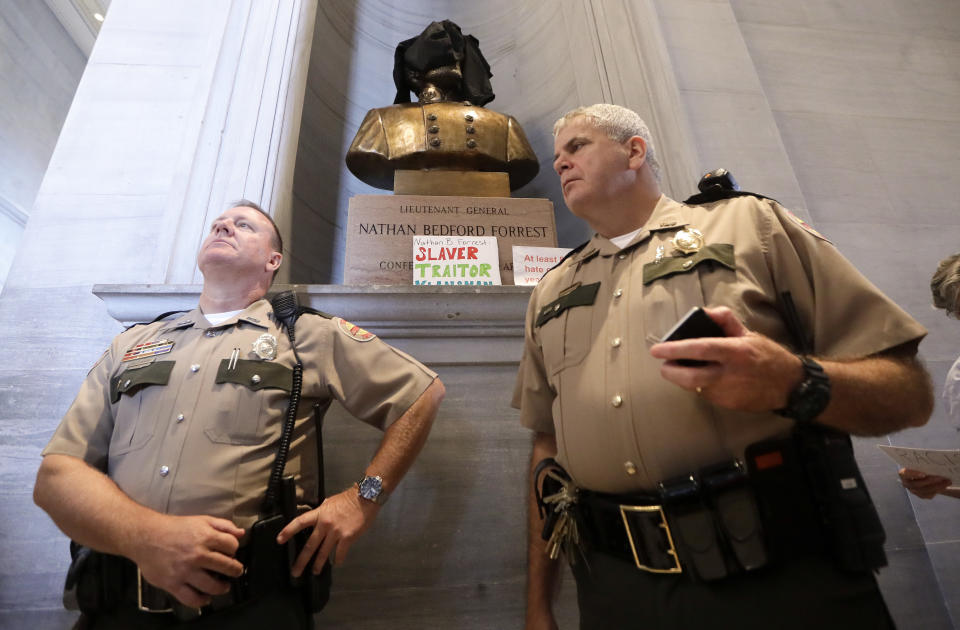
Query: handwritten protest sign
(530, 263)
(454, 260)
(945, 463)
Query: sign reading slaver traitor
(380, 231)
(455, 260)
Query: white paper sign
(530, 263)
(456, 260)
(945, 463)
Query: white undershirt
(624, 239)
(218, 318)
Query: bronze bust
(448, 129)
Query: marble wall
(847, 112)
(40, 67)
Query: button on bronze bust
(434, 129)
(471, 143)
(431, 116)
(435, 142)
(468, 118)
(470, 130)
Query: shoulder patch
(353, 331)
(806, 226)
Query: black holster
(269, 566)
(94, 581)
(816, 467)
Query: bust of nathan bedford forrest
(448, 129)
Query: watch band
(811, 396)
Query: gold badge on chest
(688, 240)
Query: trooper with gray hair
(685, 475)
(619, 123)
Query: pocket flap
(128, 381)
(256, 375)
(721, 253)
(583, 295)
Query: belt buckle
(676, 568)
(140, 598)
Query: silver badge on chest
(265, 347)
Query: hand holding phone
(695, 324)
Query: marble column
(183, 107)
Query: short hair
(945, 285)
(618, 123)
(277, 239)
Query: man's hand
(746, 371)
(342, 518)
(338, 522)
(190, 557)
(871, 395)
(184, 555)
(921, 484)
(543, 574)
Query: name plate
(380, 231)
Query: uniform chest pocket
(247, 395)
(674, 285)
(566, 326)
(136, 393)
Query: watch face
(370, 487)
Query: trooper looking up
(163, 460)
(667, 473)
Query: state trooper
(706, 482)
(162, 462)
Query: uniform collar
(666, 215)
(258, 314)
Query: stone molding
(438, 325)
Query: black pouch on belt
(792, 524)
(692, 527)
(852, 526)
(725, 487)
(268, 564)
(94, 581)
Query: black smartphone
(696, 323)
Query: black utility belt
(797, 495)
(694, 524)
(101, 583)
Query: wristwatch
(371, 489)
(811, 396)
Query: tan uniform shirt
(587, 374)
(195, 429)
